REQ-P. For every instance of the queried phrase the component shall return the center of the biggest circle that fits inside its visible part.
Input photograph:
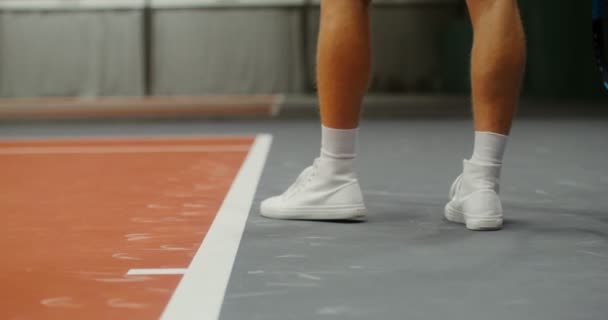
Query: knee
(492, 9)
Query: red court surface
(77, 215)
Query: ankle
(332, 166)
(479, 177)
(489, 148)
(338, 144)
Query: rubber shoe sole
(475, 224)
(316, 213)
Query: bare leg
(344, 61)
(497, 65)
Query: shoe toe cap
(270, 205)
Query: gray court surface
(405, 262)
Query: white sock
(338, 144)
(489, 148)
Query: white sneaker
(327, 190)
(474, 198)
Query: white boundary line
(151, 272)
(200, 293)
(121, 149)
(122, 138)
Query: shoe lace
(305, 177)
